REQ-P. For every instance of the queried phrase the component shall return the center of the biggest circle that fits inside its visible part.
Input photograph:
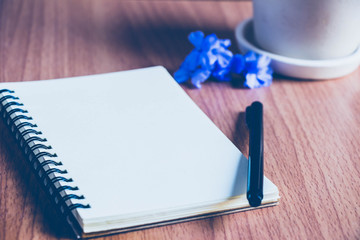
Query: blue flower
(209, 53)
(258, 72)
(252, 70)
(236, 66)
(211, 57)
(195, 68)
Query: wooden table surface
(312, 134)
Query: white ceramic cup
(308, 29)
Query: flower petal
(192, 61)
(209, 60)
(181, 75)
(196, 38)
(251, 81)
(209, 42)
(251, 62)
(225, 43)
(263, 61)
(237, 64)
(264, 77)
(200, 76)
(222, 74)
(224, 57)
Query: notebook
(126, 150)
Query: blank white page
(134, 143)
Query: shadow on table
(29, 202)
(241, 134)
(159, 44)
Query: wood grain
(312, 134)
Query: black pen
(254, 121)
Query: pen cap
(254, 115)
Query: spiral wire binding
(35, 151)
